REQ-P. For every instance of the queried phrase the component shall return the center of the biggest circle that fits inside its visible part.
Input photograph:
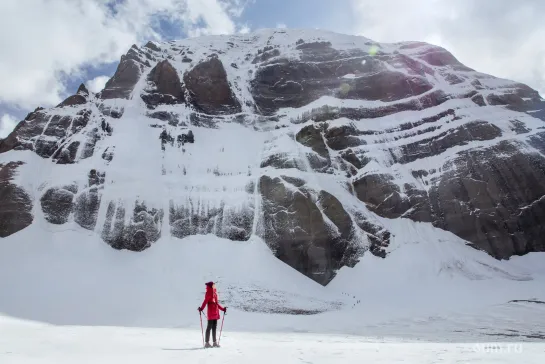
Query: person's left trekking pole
(202, 332)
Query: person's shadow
(183, 349)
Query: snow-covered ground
(425, 302)
(24, 342)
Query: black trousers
(212, 325)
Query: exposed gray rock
(295, 230)
(80, 98)
(209, 89)
(87, 203)
(311, 136)
(476, 130)
(280, 161)
(67, 154)
(143, 229)
(294, 181)
(342, 137)
(57, 204)
(483, 196)
(292, 83)
(152, 46)
(189, 219)
(15, 203)
(125, 78)
(167, 86)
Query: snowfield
(25, 342)
(424, 304)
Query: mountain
(326, 146)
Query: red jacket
(214, 307)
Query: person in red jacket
(214, 307)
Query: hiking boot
(207, 345)
(216, 345)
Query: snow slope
(68, 278)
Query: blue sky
(67, 42)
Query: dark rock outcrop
(383, 86)
(209, 88)
(57, 204)
(125, 78)
(311, 136)
(476, 130)
(381, 195)
(87, 203)
(143, 229)
(80, 98)
(483, 196)
(295, 230)
(321, 71)
(67, 155)
(342, 137)
(188, 219)
(171, 118)
(86, 208)
(151, 45)
(167, 86)
(15, 203)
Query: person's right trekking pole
(202, 332)
(221, 328)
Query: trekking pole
(202, 332)
(221, 328)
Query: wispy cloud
(7, 123)
(500, 37)
(44, 42)
(97, 83)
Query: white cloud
(245, 29)
(501, 37)
(45, 41)
(216, 14)
(281, 26)
(97, 83)
(7, 124)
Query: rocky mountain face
(314, 141)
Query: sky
(50, 47)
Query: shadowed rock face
(50, 136)
(209, 89)
(222, 222)
(80, 98)
(483, 196)
(57, 204)
(487, 199)
(126, 76)
(311, 136)
(15, 203)
(88, 202)
(167, 86)
(295, 230)
(321, 71)
(142, 230)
